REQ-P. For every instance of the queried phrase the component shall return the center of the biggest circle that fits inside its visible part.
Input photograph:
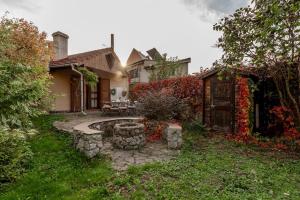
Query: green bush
(195, 126)
(24, 78)
(15, 154)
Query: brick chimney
(60, 43)
(112, 41)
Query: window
(94, 96)
(134, 73)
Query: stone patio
(121, 159)
(152, 152)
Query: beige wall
(120, 84)
(183, 70)
(61, 91)
(144, 75)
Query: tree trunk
(291, 97)
(279, 93)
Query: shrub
(24, 79)
(24, 93)
(194, 126)
(186, 89)
(15, 154)
(160, 106)
(182, 87)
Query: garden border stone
(173, 136)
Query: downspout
(81, 88)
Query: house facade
(70, 89)
(139, 66)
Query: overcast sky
(180, 28)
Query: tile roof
(141, 55)
(80, 58)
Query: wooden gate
(75, 94)
(105, 91)
(222, 102)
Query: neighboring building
(69, 88)
(139, 66)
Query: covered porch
(74, 94)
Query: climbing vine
(244, 107)
(90, 77)
(282, 118)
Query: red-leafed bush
(183, 87)
(154, 129)
(188, 88)
(283, 118)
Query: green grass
(208, 168)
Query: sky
(182, 28)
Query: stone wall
(107, 126)
(88, 137)
(89, 144)
(129, 136)
(173, 136)
(172, 133)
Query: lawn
(208, 168)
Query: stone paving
(152, 152)
(121, 159)
(71, 120)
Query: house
(70, 89)
(139, 66)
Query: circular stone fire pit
(129, 135)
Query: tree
(266, 35)
(24, 77)
(164, 68)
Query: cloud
(21, 4)
(212, 9)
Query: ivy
(244, 107)
(89, 76)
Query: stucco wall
(144, 75)
(120, 84)
(183, 70)
(61, 91)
